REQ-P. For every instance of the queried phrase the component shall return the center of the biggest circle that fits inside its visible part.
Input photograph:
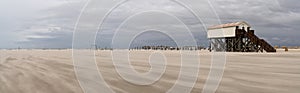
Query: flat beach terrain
(52, 71)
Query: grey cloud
(275, 21)
(56, 22)
(290, 5)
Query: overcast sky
(50, 23)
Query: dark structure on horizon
(236, 37)
(161, 47)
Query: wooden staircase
(259, 42)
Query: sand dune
(51, 71)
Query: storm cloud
(52, 26)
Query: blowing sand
(51, 71)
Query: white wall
(218, 33)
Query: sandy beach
(52, 71)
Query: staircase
(260, 42)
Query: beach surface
(52, 71)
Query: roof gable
(229, 25)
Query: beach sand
(52, 71)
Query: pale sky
(50, 23)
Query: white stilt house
(236, 37)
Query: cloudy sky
(50, 23)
